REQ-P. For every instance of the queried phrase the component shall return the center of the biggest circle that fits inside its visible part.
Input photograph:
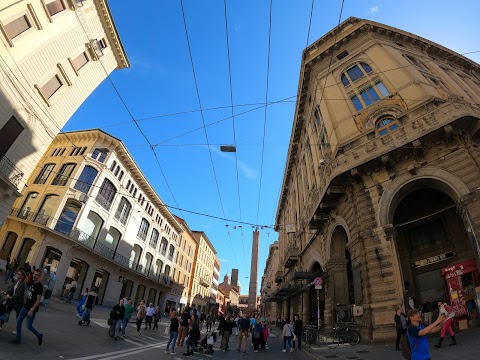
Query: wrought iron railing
(10, 171)
(86, 240)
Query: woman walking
(297, 330)
(156, 318)
(446, 311)
(16, 293)
(117, 314)
(174, 323)
(141, 313)
(287, 336)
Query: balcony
(204, 283)
(82, 238)
(292, 256)
(10, 172)
(279, 276)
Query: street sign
(318, 281)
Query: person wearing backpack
(401, 325)
(417, 347)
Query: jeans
(139, 324)
(287, 340)
(190, 342)
(118, 323)
(124, 325)
(172, 340)
(23, 314)
(209, 326)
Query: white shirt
(150, 311)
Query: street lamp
(228, 148)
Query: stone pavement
(65, 339)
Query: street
(65, 339)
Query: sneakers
(173, 353)
(284, 350)
(291, 349)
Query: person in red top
(446, 311)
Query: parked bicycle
(344, 334)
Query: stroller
(207, 342)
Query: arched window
(112, 167)
(143, 230)
(44, 174)
(86, 179)
(106, 194)
(386, 125)
(123, 210)
(63, 174)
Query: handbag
(110, 321)
(167, 330)
(295, 337)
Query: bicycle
(344, 334)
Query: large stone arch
(438, 178)
(338, 221)
(311, 257)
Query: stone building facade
(380, 191)
(268, 288)
(89, 213)
(53, 54)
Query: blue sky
(160, 82)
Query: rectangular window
(369, 96)
(54, 7)
(355, 73)
(100, 154)
(143, 230)
(44, 174)
(17, 26)
(123, 211)
(51, 87)
(63, 175)
(8, 134)
(356, 102)
(79, 62)
(383, 90)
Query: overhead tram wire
(233, 123)
(310, 23)
(203, 120)
(266, 101)
(152, 148)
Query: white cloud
(374, 10)
(224, 260)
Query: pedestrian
(209, 321)
(447, 312)
(427, 312)
(141, 314)
(185, 321)
(90, 303)
(81, 303)
(157, 315)
(401, 326)
(16, 293)
(228, 327)
(191, 342)
(8, 269)
(243, 333)
(30, 308)
(149, 316)
(265, 330)
(128, 314)
(417, 334)
(297, 330)
(287, 336)
(202, 320)
(257, 336)
(66, 289)
(71, 291)
(117, 314)
(174, 325)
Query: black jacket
(118, 312)
(19, 297)
(297, 327)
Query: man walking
(128, 314)
(30, 308)
(243, 328)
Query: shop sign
(459, 269)
(433, 259)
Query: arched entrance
(77, 270)
(430, 236)
(8, 245)
(127, 289)
(152, 293)
(100, 281)
(341, 276)
(139, 296)
(23, 254)
(51, 258)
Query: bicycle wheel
(307, 338)
(332, 341)
(353, 337)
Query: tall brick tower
(252, 289)
(234, 279)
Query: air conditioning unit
(83, 198)
(75, 4)
(95, 49)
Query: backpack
(405, 346)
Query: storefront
(461, 280)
